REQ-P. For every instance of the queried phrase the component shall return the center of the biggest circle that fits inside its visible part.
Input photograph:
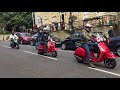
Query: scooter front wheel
(54, 53)
(110, 63)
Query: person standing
(56, 26)
(111, 32)
(71, 24)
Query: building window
(46, 21)
(99, 14)
(85, 15)
(54, 19)
(109, 19)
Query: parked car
(24, 38)
(57, 41)
(33, 40)
(114, 45)
(72, 41)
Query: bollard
(3, 37)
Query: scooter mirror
(99, 39)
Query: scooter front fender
(109, 55)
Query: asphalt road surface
(26, 63)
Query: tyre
(63, 46)
(118, 51)
(79, 59)
(12, 45)
(54, 53)
(41, 53)
(110, 63)
(18, 47)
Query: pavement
(26, 63)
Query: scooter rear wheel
(54, 53)
(79, 59)
(110, 63)
(12, 46)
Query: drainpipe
(33, 18)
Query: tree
(17, 19)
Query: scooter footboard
(109, 55)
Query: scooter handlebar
(97, 39)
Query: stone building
(100, 20)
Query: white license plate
(57, 42)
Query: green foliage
(17, 19)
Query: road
(26, 63)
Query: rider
(39, 35)
(86, 36)
(14, 39)
(44, 38)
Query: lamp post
(33, 18)
(3, 33)
(71, 23)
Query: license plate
(57, 42)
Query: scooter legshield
(109, 55)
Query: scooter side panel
(80, 52)
(40, 48)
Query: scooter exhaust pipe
(78, 58)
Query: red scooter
(50, 48)
(103, 54)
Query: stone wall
(60, 34)
(5, 36)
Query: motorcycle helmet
(88, 27)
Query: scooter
(103, 54)
(50, 48)
(14, 44)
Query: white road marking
(65, 50)
(6, 46)
(105, 71)
(41, 55)
(69, 51)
